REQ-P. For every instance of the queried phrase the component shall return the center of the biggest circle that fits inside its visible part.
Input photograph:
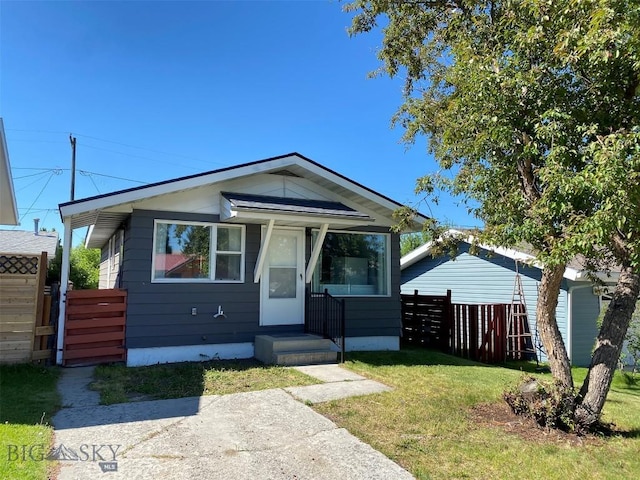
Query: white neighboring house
(8, 205)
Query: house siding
(585, 308)
(103, 281)
(480, 279)
(159, 314)
(110, 262)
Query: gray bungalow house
(489, 277)
(210, 261)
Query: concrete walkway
(73, 387)
(339, 383)
(265, 434)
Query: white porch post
(64, 282)
(262, 255)
(315, 253)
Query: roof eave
(8, 203)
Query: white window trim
(387, 260)
(212, 251)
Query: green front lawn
(28, 400)
(445, 419)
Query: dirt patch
(499, 415)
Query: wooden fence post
(446, 338)
(473, 332)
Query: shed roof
(20, 241)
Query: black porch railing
(325, 316)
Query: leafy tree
(195, 242)
(84, 266)
(411, 241)
(534, 108)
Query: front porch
(295, 349)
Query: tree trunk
(608, 346)
(548, 325)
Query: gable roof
(575, 270)
(8, 205)
(20, 241)
(106, 212)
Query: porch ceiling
(101, 224)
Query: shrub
(549, 403)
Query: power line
(137, 156)
(84, 173)
(33, 168)
(59, 171)
(40, 209)
(30, 175)
(45, 217)
(124, 145)
(36, 199)
(142, 148)
(111, 176)
(33, 131)
(52, 173)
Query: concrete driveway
(256, 435)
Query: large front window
(197, 252)
(353, 264)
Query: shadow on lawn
(180, 386)
(118, 383)
(411, 355)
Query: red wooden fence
(477, 332)
(94, 327)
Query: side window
(229, 256)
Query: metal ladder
(520, 344)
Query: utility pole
(73, 166)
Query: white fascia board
(422, 251)
(87, 237)
(416, 255)
(583, 276)
(304, 218)
(512, 254)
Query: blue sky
(158, 90)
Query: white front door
(282, 280)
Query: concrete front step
(301, 349)
(301, 357)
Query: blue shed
(489, 277)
